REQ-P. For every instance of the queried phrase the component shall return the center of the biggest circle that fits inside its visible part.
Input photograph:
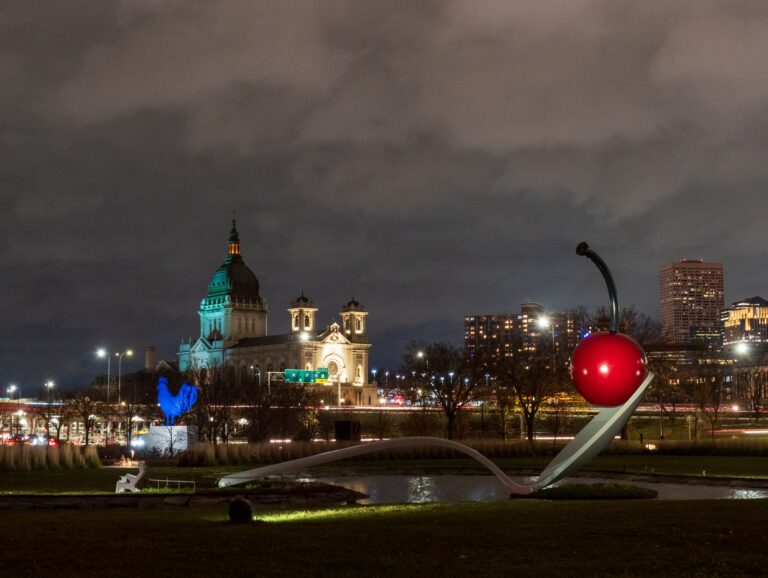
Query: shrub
(90, 457)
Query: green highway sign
(319, 375)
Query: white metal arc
(589, 442)
(399, 443)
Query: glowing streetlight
(102, 353)
(544, 322)
(129, 353)
(742, 348)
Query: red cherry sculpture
(607, 368)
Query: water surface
(419, 489)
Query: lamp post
(743, 351)
(421, 355)
(544, 322)
(129, 353)
(48, 386)
(102, 353)
(12, 388)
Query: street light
(48, 386)
(544, 322)
(129, 353)
(102, 353)
(11, 389)
(421, 355)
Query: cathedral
(233, 333)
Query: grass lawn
(103, 480)
(519, 537)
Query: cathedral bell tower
(353, 322)
(303, 313)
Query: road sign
(320, 375)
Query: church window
(358, 325)
(359, 373)
(347, 327)
(333, 369)
(306, 322)
(295, 321)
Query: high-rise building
(746, 321)
(691, 301)
(500, 335)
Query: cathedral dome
(234, 278)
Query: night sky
(433, 159)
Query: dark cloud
(431, 158)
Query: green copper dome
(234, 278)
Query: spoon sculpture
(608, 368)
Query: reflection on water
(747, 494)
(399, 489)
(421, 490)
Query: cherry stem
(584, 250)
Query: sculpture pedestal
(169, 440)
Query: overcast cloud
(432, 158)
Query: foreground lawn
(519, 537)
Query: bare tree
(451, 379)
(218, 392)
(49, 411)
(503, 399)
(754, 386)
(708, 391)
(644, 329)
(84, 409)
(279, 408)
(557, 417)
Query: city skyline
(431, 160)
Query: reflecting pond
(416, 489)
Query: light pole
(544, 322)
(743, 351)
(11, 389)
(102, 353)
(129, 353)
(48, 385)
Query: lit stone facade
(691, 295)
(746, 320)
(233, 334)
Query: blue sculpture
(175, 405)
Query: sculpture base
(169, 440)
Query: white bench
(127, 483)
